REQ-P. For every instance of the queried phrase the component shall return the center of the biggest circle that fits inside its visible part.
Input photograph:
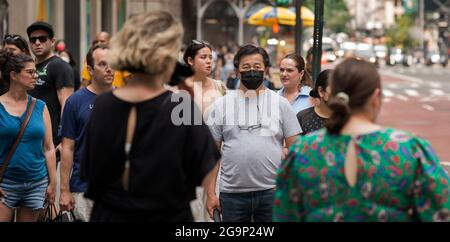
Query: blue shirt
(301, 101)
(77, 112)
(28, 162)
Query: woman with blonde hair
(141, 163)
(356, 170)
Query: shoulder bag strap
(18, 137)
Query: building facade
(77, 21)
(372, 18)
(220, 22)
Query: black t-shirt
(54, 74)
(310, 121)
(77, 79)
(167, 161)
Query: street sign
(410, 6)
(283, 3)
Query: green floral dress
(398, 179)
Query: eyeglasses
(42, 39)
(200, 42)
(250, 128)
(32, 72)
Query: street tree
(399, 35)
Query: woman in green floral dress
(355, 170)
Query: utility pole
(318, 33)
(298, 26)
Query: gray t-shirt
(252, 130)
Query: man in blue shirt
(74, 121)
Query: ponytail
(340, 115)
(307, 79)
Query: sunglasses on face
(42, 39)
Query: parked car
(367, 55)
(345, 48)
(432, 57)
(397, 56)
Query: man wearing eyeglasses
(255, 125)
(56, 77)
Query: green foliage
(336, 14)
(399, 34)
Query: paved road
(418, 100)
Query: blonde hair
(147, 43)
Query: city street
(417, 99)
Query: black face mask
(252, 79)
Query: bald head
(102, 38)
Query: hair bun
(314, 93)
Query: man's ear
(53, 40)
(90, 70)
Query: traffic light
(283, 3)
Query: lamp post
(318, 33)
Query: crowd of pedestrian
(131, 147)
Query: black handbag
(50, 214)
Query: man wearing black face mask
(253, 123)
